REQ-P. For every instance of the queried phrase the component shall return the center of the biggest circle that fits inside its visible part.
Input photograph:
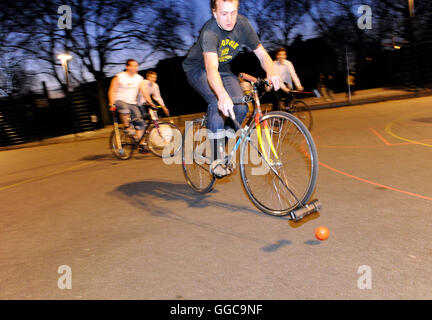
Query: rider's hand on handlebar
(276, 81)
(165, 109)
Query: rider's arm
(225, 103)
(144, 91)
(112, 91)
(294, 76)
(157, 96)
(268, 66)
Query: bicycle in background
(162, 138)
(297, 107)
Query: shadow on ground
(159, 198)
(111, 157)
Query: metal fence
(34, 118)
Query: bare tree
(276, 20)
(103, 34)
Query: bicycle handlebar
(258, 81)
(247, 77)
(298, 91)
(255, 81)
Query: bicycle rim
(195, 158)
(164, 141)
(128, 145)
(302, 111)
(289, 181)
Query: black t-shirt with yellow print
(227, 44)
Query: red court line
(374, 183)
(380, 136)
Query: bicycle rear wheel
(302, 111)
(127, 143)
(278, 185)
(196, 156)
(164, 141)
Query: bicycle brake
(300, 213)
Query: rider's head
(225, 13)
(151, 75)
(281, 54)
(131, 66)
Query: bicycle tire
(195, 170)
(302, 111)
(298, 165)
(164, 141)
(128, 145)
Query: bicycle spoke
(196, 173)
(284, 182)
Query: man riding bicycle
(123, 94)
(207, 69)
(288, 75)
(153, 90)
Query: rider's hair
(213, 3)
(150, 72)
(281, 49)
(128, 61)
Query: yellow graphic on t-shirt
(224, 49)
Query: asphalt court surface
(134, 229)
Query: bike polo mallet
(113, 110)
(314, 92)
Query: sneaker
(142, 149)
(219, 170)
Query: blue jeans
(215, 122)
(135, 112)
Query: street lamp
(64, 61)
(64, 57)
(411, 8)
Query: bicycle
(278, 159)
(297, 107)
(162, 138)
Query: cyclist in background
(153, 90)
(288, 75)
(123, 95)
(207, 69)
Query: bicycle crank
(300, 213)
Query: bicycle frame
(256, 117)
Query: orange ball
(322, 233)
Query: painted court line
(388, 129)
(380, 136)
(375, 184)
(45, 175)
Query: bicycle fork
(267, 134)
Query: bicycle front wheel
(302, 111)
(196, 156)
(127, 145)
(279, 169)
(165, 140)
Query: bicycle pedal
(300, 213)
